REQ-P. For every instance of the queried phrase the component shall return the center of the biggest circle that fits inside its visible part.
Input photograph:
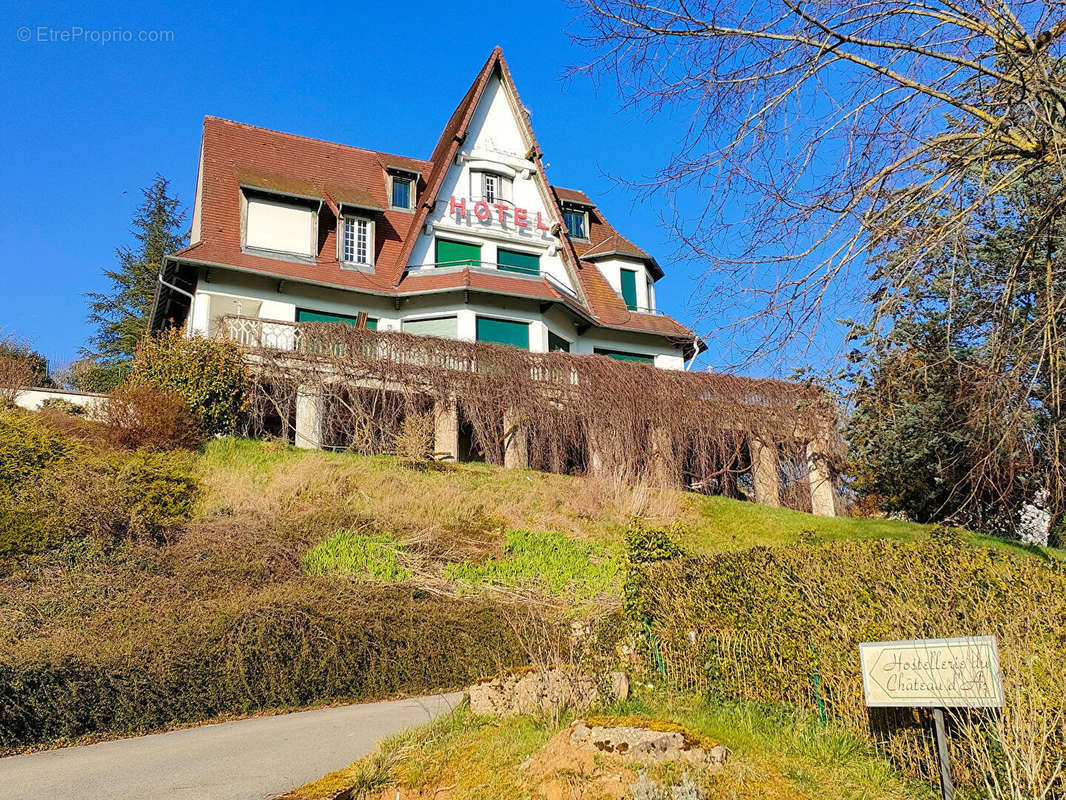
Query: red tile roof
(235, 155)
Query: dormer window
(279, 226)
(492, 187)
(576, 223)
(357, 242)
(402, 186)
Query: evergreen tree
(121, 314)
(959, 410)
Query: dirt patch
(562, 770)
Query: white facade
(494, 198)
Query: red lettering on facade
(457, 206)
(481, 210)
(540, 224)
(501, 209)
(520, 218)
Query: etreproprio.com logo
(76, 34)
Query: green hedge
(774, 625)
(328, 642)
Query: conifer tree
(120, 315)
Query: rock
(646, 745)
(542, 692)
(619, 683)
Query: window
(357, 241)
(444, 327)
(280, 226)
(514, 261)
(621, 355)
(303, 315)
(629, 288)
(490, 186)
(457, 254)
(503, 331)
(402, 191)
(576, 223)
(557, 343)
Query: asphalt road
(251, 759)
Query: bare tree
(825, 124)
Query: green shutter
(557, 343)
(621, 355)
(503, 331)
(457, 254)
(303, 315)
(513, 261)
(629, 288)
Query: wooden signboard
(937, 674)
(934, 673)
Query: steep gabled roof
(238, 155)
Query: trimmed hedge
(329, 642)
(774, 625)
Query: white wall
(495, 137)
(31, 399)
(612, 271)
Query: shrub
(208, 374)
(61, 406)
(414, 442)
(158, 491)
(760, 624)
(297, 646)
(28, 448)
(143, 415)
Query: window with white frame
(357, 241)
(491, 187)
(402, 187)
(576, 223)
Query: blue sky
(88, 123)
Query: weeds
(353, 553)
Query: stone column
(446, 429)
(823, 501)
(663, 469)
(764, 466)
(515, 441)
(309, 417)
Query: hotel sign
(484, 212)
(933, 673)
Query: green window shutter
(503, 331)
(445, 327)
(302, 315)
(457, 254)
(513, 261)
(621, 355)
(557, 343)
(629, 288)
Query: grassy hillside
(295, 578)
(773, 755)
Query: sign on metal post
(937, 674)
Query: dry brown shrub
(141, 415)
(414, 442)
(579, 414)
(16, 374)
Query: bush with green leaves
(54, 489)
(208, 374)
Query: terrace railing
(265, 334)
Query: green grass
(360, 554)
(774, 754)
(548, 563)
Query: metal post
(947, 787)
